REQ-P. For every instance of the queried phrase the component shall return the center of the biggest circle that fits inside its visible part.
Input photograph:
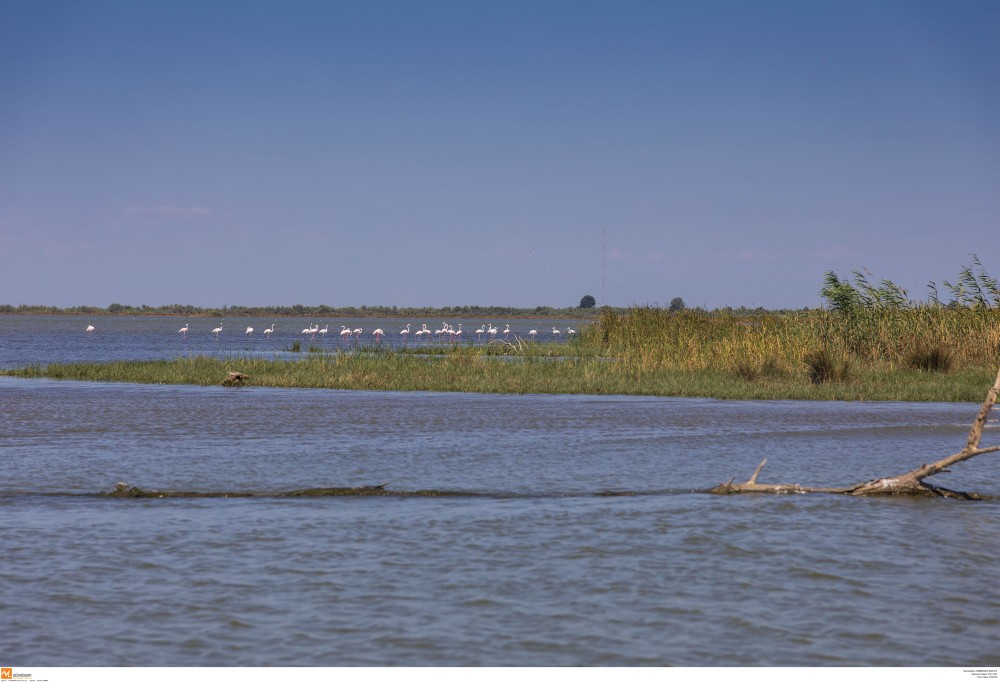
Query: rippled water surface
(533, 567)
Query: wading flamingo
(90, 328)
(184, 330)
(249, 331)
(217, 330)
(268, 332)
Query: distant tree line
(299, 310)
(584, 310)
(973, 288)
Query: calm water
(28, 339)
(540, 571)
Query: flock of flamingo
(446, 332)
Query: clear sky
(474, 152)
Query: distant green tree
(677, 304)
(588, 301)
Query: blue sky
(475, 153)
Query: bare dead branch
(911, 483)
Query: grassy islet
(921, 354)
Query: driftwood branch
(911, 483)
(753, 479)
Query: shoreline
(471, 372)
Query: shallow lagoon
(26, 339)
(537, 567)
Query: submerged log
(910, 483)
(131, 491)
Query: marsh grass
(810, 355)
(930, 359)
(753, 370)
(822, 366)
(651, 338)
(473, 372)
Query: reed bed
(652, 338)
(933, 354)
